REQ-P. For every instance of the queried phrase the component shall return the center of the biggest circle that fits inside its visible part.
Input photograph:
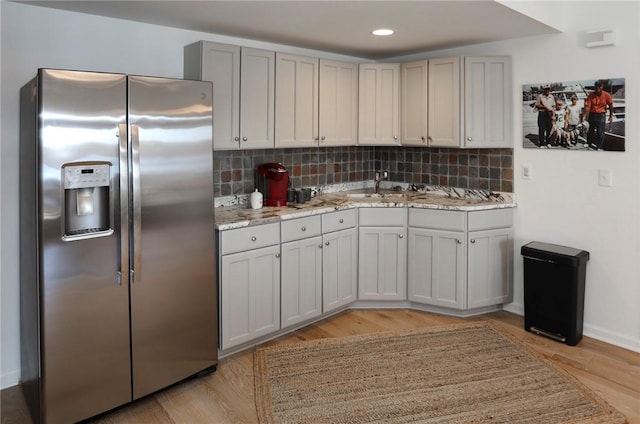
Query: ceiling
(334, 26)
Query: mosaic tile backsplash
(485, 169)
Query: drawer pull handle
(320, 246)
(278, 255)
(459, 241)
(341, 221)
(253, 238)
(473, 241)
(304, 228)
(401, 235)
(326, 243)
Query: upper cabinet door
(338, 103)
(444, 102)
(257, 98)
(415, 103)
(379, 106)
(220, 64)
(487, 102)
(296, 101)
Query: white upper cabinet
(316, 102)
(243, 92)
(338, 103)
(457, 102)
(487, 102)
(444, 102)
(296, 101)
(379, 104)
(414, 103)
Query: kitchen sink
(375, 195)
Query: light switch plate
(526, 172)
(605, 178)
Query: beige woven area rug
(466, 373)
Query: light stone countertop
(240, 215)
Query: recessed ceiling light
(382, 31)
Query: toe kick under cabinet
(460, 260)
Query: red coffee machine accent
(272, 180)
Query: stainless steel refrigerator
(118, 286)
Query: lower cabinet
(490, 267)
(339, 259)
(460, 260)
(436, 267)
(249, 283)
(382, 257)
(249, 295)
(301, 279)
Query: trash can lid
(540, 250)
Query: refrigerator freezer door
(173, 289)
(84, 315)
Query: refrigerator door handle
(123, 156)
(136, 275)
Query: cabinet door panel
(301, 280)
(296, 101)
(490, 269)
(415, 99)
(257, 98)
(379, 104)
(436, 268)
(487, 102)
(249, 295)
(338, 103)
(382, 263)
(339, 268)
(444, 102)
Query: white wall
(34, 37)
(561, 204)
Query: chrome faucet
(380, 175)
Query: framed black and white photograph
(583, 115)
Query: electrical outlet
(605, 178)
(526, 172)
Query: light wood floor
(226, 396)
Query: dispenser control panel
(83, 176)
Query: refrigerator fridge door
(173, 289)
(80, 309)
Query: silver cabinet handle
(395, 137)
(236, 138)
(459, 241)
(430, 139)
(278, 255)
(323, 138)
(469, 138)
(341, 221)
(401, 235)
(316, 138)
(473, 241)
(244, 138)
(253, 238)
(124, 201)
(137, 204)
(424, 140)
(320, 246)
(303, 228)
(326, 243)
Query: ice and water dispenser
(86, 199)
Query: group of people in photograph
(565, 125)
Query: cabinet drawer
(489, 219)
(248, 238)
(340, 220)
(297, 229)
(436, 219)
(383, 217)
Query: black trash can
(554, 280)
